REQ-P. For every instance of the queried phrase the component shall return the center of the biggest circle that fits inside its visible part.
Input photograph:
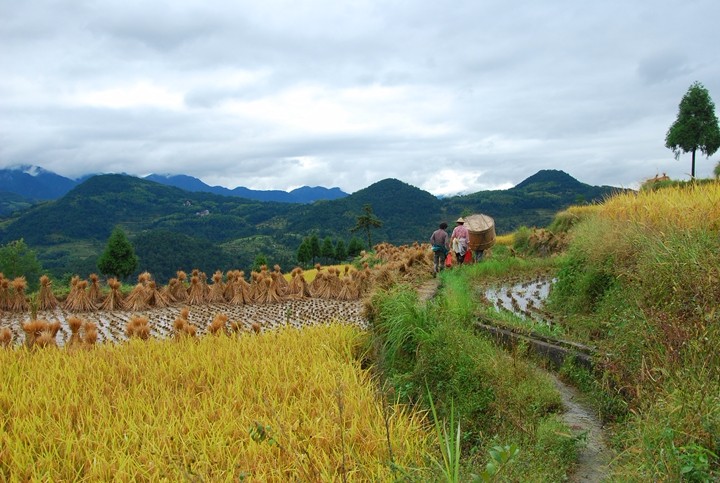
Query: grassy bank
(499, 399)
(641, 280)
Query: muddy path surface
(595, 456)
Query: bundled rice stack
(196, 294)
(241, 292)
(91, 333)
(114, 299)
(46, 297)
(47, 335)
(283, 287)
(78, 299)
(139, 327)
(349, 289)
(298, 287)
(179, 289)
(266, 288)
(253, 290)
(156, 297)
(182, 325)
(19, 301)
(40, 333)
(6, 337)
(216, 293)
(138, 297)
(229, 292)
(5, 300)
(217, 326)
(75, 323)
(327, 284)
(95, 293)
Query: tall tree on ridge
(696, 126)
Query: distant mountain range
(175, 228)
(33, 183)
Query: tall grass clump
(497, 399)
(642, 281)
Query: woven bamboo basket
(482, 231)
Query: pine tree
(118, 259)
(341, 253)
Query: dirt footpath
(594, 457)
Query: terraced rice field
(112, 325)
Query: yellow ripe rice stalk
(282, 405)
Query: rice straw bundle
(278, 287)
(363, 280)
(75, 323)
(217, 326)
(80, 301)
(138, 297)
(94, 293)
(265, 289)
(6, 337)
(182, 325)
(230, 285)
(155, 297)
(46, 297)
(349, 289)
(179, 290)
(197, 293)
(33, 329)
(242, 290)
(283, 287)
(217, 290)
(73, 290)
(19, 301)
(254, 291)
(326, 285)
(203, 281)
(298, 287)
(91, 333)
(5, 300)
(114, 299)
(384, 277)
(139, 327)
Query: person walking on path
(439, 241)
(459, 239)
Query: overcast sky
(451, 97)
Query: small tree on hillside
(18, 260)
(366, 222)
(260, 260)
(118, 259)
(327, 250)
(716, 171)
(304, 254)
(355, 247)
(341, 253)
(314, 242)
(696, 126)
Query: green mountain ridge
(175, 229)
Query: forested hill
(172, 228)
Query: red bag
(468, 257)
(449, 260)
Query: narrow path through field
(594, 457)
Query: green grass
(499, 399)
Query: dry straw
(46, 297)
(114, 299)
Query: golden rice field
(284, 405)
(685, 207)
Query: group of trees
(312, 250)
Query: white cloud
(278, 94)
